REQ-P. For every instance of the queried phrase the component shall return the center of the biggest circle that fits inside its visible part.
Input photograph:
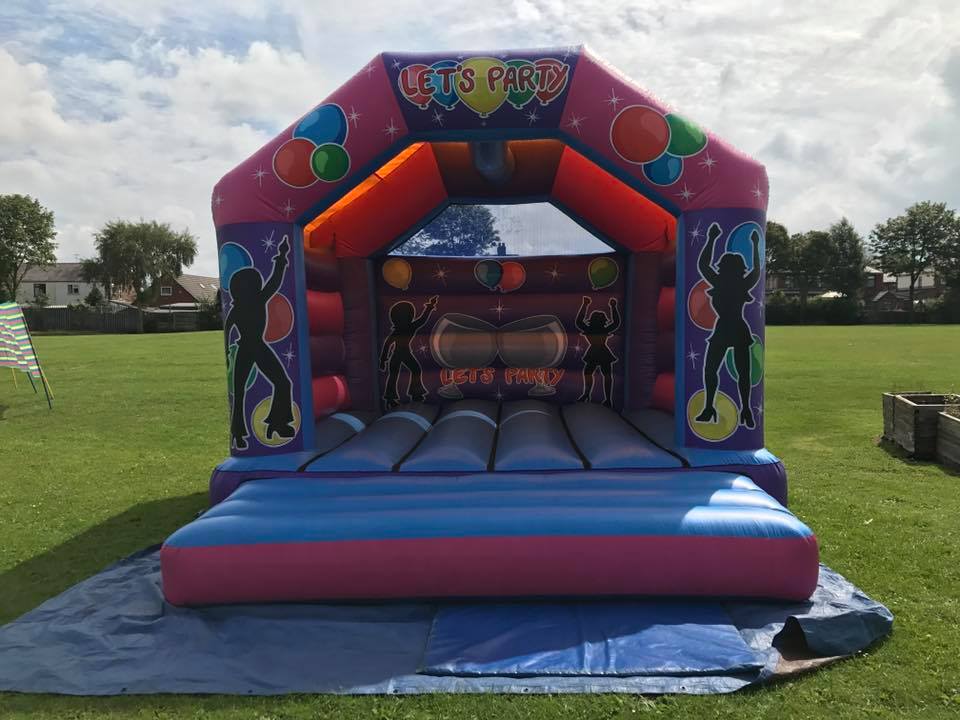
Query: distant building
(183, 292)
(59, 284)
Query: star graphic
(423, 349)
(759, 409)
(577, 348)
(696, 233)
(499, 309)
(708, 162)
(391, 129)
(217, 200)
(268, 242)
(692, 356)
(438, 117)
(441, 274)
(575, 122)
(757, 192)
(369, 69)
(554, 273)
(568, 51)
(288, 208)
(353, 116)
(532, 117)
(396, 64)
(613, 100)
(499, 394)
(259, 174)
(460, 56)
(686, 193)
(289, 355)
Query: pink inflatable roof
(565, 94)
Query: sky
(128, 109)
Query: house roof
(201, 287)
(58, 272)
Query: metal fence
(127, 320)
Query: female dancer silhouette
(248, 315)
(598, 355)
(730, 287)
(396, 350)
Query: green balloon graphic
(519, 98)
(488, 273)
(603, 272)
(685, 137)
(330, 162)
(756, 362)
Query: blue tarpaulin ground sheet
(114, 634)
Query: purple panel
(358, 332)
(327, 355)
(642, 326)
(322, 271)
(722, 301)
(262, 331)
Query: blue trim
(307, 426)
(355, 423)
(468, 414)
(679, 330)
(418, 420)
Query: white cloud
(129, 108)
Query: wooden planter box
(889, 409)
(948, 440)
(916, 422)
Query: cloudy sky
(134, 108)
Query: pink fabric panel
(784, 568)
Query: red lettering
(467, 79)
(459, 376)
(408, 83)
(510, 375)
(555, 375)
(510, 81)
(446, 78)
(494, 75)
(487, 375)
(446, 377)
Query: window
(166, 291)
(73, 289)
(39, 290)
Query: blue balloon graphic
(324, 124)
(739, 241)
(665, 170)
(447, 99)
(232, 258)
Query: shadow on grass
(897, 452)
(28, 584)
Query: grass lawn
(139, 422)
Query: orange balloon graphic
(397, 273)
(699, 307)
(513, 276)
(639, 134)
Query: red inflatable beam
(329, 395)
(666, 308)
(325, 310)
(662, 397)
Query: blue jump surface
(113, 634)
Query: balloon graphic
(551, 79)
(411, 83)
(258, 421)
(603, 272)
(232, 258)
(449, 97)
(279, 319)
(699, 307)
(231, 364)
(397, 273)
(521, 81)
(488, 273)
(756, 362)
(323, 124)
(330, 162)
(665, 170)
(639, 134)
(738, 241)
(291, 163)
(513, 276)
(476, 92)
(725, 424)
(685, 137)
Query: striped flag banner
(16, 350)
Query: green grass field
(139, 422)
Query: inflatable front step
(492, 534)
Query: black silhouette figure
(598, 355)
(730, 286)
(248, 315)
(396, 352)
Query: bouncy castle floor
(113, 634)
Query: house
(185, 291)
(59, 284)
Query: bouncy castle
(406, 426)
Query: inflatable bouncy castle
(408, 426)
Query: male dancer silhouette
(598, 355)
(248, 314)
(730, 287)
(396, 351)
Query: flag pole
(15, 385)
(43, 375)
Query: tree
(845, 271)
(910, 244)
(810, 257)
(461, 230)
(132, 256)
(779, 249)
(26, 240)
(94, 297)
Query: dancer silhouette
(396, 352)
(598, 355)
(248, 315)
(730, 286)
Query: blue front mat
(113, 634)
